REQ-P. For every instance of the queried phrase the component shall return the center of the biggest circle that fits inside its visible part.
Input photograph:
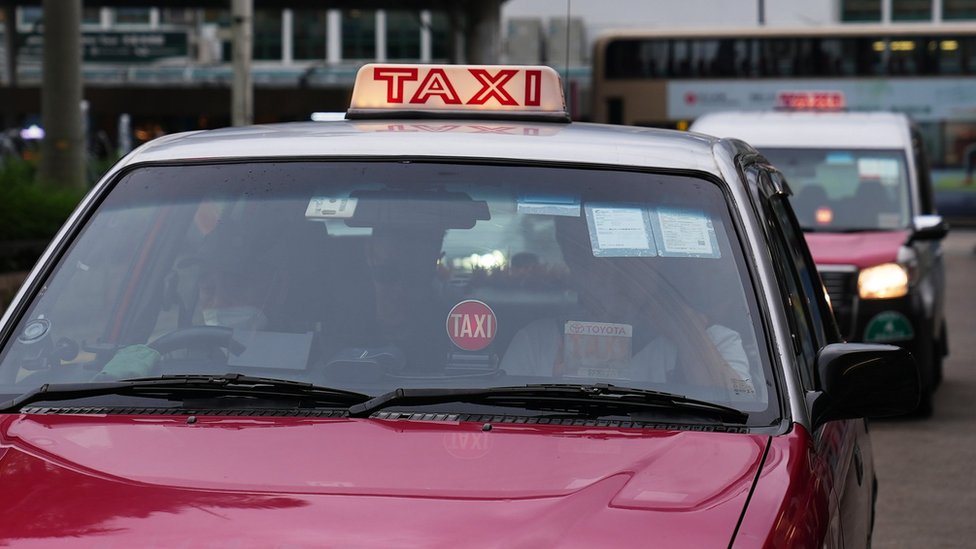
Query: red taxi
(864, 198)
(454, 318)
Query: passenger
(403, 266)
(243, 262)
(673, 342)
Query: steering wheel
(198, 337)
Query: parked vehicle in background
(862, 193)
(453, 319)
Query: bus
(667, 78)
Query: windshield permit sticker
(620, 231)
(597, 349)
(331, 208)
(471, 325)
(549, 204)
(882, 169)
(685, 233)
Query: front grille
(841, 284)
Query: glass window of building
(911, 10)
(176, 16)
(309, 34)
(218, 16)
(267, 35)
(358, 34)
(132, 16)
(402, 34)
(440, 36)
(860, 10)
(221, 18)
(946, 53)
(958, 9)
(91, 16)
(30, 16)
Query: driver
(403, 267)
(629, 325)
(407, 322)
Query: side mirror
(864, 380)
(929, 227)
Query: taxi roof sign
(458, 91)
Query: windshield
(846, 189)
(370, 276)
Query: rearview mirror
(864, 380)
(433, 209)
(929, 227)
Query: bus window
(661, 78)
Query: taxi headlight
(883, 281)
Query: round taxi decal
(888, 326)
(467, 445)
(471, 325)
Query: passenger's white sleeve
(534, 349)
(655, 361)
(728, 342)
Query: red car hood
(150, 481)
(860, 249)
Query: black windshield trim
(183, 387)
(602, 399)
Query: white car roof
(858, 130)
(577, 143)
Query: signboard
(924, 99)
(116, 46)
(471, 325)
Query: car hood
(860, 249)
(162, 481)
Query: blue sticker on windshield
(840, 158)
(684, 233)
(549, 204)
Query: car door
(928, 253)
(842, 447)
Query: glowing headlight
(883, 282)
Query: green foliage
(30, 210)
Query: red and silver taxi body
(130, 419)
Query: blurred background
(83, 82)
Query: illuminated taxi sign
(404, 91)
(810, 100)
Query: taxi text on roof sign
(806, 100)
(509, 91)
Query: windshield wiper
(599, 399)
(179, 387)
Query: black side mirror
(864, 380)
(929, 227)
